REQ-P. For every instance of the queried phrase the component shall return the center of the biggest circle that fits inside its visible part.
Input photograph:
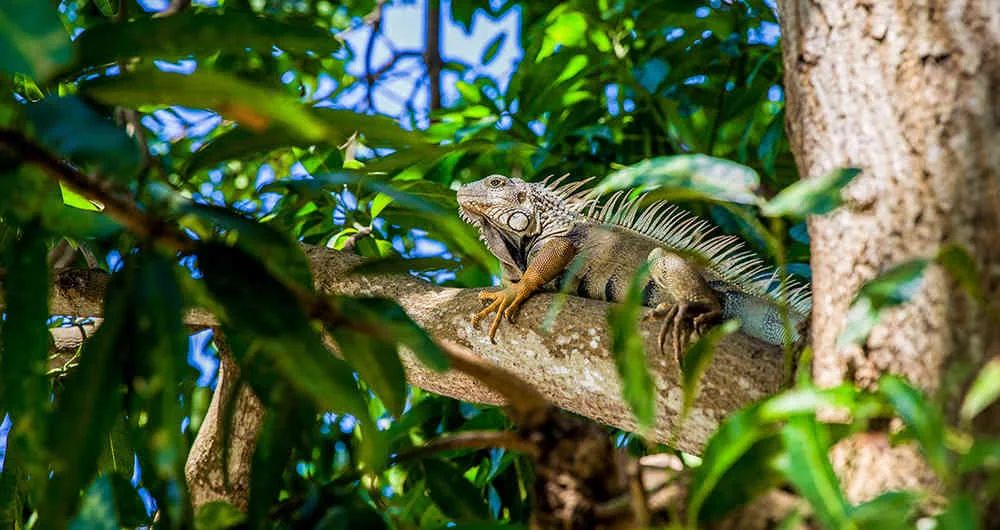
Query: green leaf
(24, 387)
(961, 514)
(89, 404)
(282, 257)
(469, 92)
(890, 511)
(687, 176)
(810, 471)
(284, 338)
(97, 511)
(985, 390)
(378, 364)
(452, 492)
(638, 387)
(242, 142)
(272, 453)
(107, 9)
(812, 196)
(105, 148)
(744, 429)
(573, 67)
(696, 361)
(725, 448)
(493, 48)
(754, 473)
(161, 359)
(892, 288)
(128, 504)
(426, 203)
(75, 200)
(963, 269)
(218, 515)
(251, 105)
(567, 29)
(33, 40)
(921, 418)
(197, 33)
(984, 453)
(384, 320)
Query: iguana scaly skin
(537, 230)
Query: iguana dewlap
(537, 230)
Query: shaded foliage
(255, 140)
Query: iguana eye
(495, 182)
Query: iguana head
(500, 203)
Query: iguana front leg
(548, 263)
(691, 306)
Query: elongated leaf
(242, 286)
(129, 508)
(453, 493)
(754, 473)
(984, 453)
(963, 269)
(218, 515)
(810, 470)
(630, 355)
(493, 48)
(283, 258)
(741, 431)
(729, 443)
(961, 514)
(384, 320)
(161, 359)
(88, 405)
(421, 205)
(97, 510)
(921, 418)
(272, 453)
(892, 288)
(252, 106)
(104, 148)
(107, 9)
(24, 387)
(697, 360)
(984, 391)
(378, 364)
(375, 131)
(813, 196)
(199, 34)
(691, 176)
(890, 511)
(33, 40)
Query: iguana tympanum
(695, 279)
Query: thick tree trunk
(909, 93)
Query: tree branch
(571, 365)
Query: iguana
(695, 278)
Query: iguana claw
(505, 302)
(678, 319)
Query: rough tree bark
(909, 93)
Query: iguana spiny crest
(537, 229)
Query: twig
(116, 204)
(176, 6)
(528, 406)
(471, 440)
(432, 54)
